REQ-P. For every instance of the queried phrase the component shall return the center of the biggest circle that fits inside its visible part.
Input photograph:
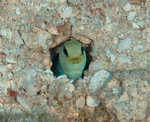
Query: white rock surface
(124, 45)
(99, 80)
(92, 101)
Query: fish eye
(82, 49)
(65, 51)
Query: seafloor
(116, 82)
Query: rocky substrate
(116, 36)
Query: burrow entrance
(55, 56)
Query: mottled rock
(128, 7)
(70, 87)
(62, 1)
(124, 1)
(61, 28)
(124, 59)
(108, 19)
(62, 78)
(97, 65)
(17, 11)
(125, 107)
(53, 30)
(83, 39)
(72, 20)
(80, 102)
(67, 12)
(135, 25)
(1, 43)
(24, 103)
(112, 89)
(131, 15)
(46, 60)
(59, 39)
(111, 55)
(37, 39)
(138, 48)
(124, 45)
(6, 33)
(99, 80)
(92, 101)
(29, 28)
(141, 23)
(28, 80)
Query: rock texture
(115, 33)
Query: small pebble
(135, 25)
(127, 7)
(24, 103)
(71, 87)
(6, 33)
(17, 11)
(141, 23)
(99, 80)
(124, 59)
(67, 12)
(73, 20)
(138, 48)
(43, 37)
(43, 25)
(53, 30)
(30, 83)
(82, 28)
(80, 102)
(111, 56)
(124, 1)
(131, 15)
(92, 101)
(124, 45)
(108, 19)
(62, 1)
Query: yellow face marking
(73, 48)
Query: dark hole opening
(88, 50)
(55, 58)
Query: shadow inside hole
(88, 50)
(55, 59)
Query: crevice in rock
(55, 57)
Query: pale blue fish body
(72, 59)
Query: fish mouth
(76, 60)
